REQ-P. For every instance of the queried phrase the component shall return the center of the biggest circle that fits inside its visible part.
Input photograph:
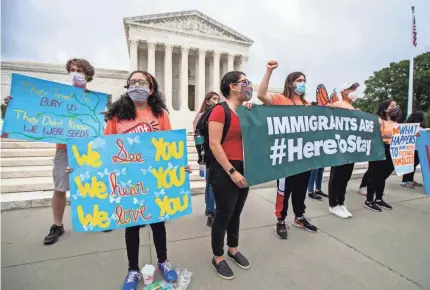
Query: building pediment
(193, 22)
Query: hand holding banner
(51, 112)
(281, 141)
(125, 180)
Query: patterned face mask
(394, 111)
(247, 92)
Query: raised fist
(271, 65)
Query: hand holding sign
(118, 183)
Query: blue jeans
(209, 195)
(315, 178)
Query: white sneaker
(362, 190)
(337, 211)
(345, 210)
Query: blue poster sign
(126, 180)
(423, 145)
(51, 112)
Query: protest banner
(423, 147)
(402, 147)
(51, 112)
(280, 141)
(126, 180)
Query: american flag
(414, 29)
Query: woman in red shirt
(229, 186)
(293, 95)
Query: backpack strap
(227, 120)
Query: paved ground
(388, 250)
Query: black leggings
(379, 171)
(410, 176)
(132, 242)
(229, 200)
(365, 179)
(339, 178)
(297, 186)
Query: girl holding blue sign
(142, 109)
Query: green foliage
(392, 82)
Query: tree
(392, 83)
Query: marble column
(151, 58)
(168, 76)
(201, 75)
(184, 79)
(230, 62)
(133, 45)
(215, 80)
(244, 63)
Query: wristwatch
(232, 170)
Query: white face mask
(78, 79)
(353, 96)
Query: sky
(330, 41)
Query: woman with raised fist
(293, 95)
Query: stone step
(20, 200)
(26, 161)
(26, 171)
(38, 152)
(25, 145)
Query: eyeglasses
(139, 82)
(244, 83)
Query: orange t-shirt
(343, 105)
(145, 122)
(386, 130)
(281, 100)
(61, 146)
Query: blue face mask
(138, 94)
(300, 88)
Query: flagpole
(411, 68)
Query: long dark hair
(416, 117)
(205, 106)
(288, 87)
(124, 108)
(382, 111)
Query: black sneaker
(210, 220)
(281, 230)
(304, 223)
(383, 204)
(240, 260)
(313, 195)
(223, 269)
(321, 193)
(372, 206)
(107, 231)
(54, 233)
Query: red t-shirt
(232, 144)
